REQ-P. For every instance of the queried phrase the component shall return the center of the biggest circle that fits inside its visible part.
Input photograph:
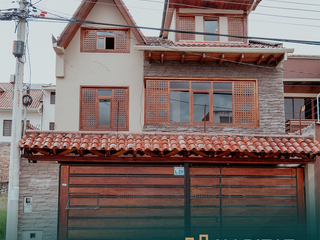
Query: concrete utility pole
(13, 196)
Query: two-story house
(168, 137)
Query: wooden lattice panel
(119, 96)
(235, 27)
(89, 104)
(121, 40)
(89, 40)
(187, 24)
(244, 103)
(157, 102)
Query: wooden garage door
(150, 202)
(105, 202)
(247, 203)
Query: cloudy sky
(285, 19)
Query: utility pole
(13, 195)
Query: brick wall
(270, 85)
(41, 182)
(4, 166)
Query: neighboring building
(40, 115)
(169, 137)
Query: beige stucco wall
(99, 69)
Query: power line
(317, 43)
(300, 3)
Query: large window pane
(219, 85)
(308, 110)
(104, 113)
(315, 109)
(288, 108)
(105, 33)
(298, 103)
(222, 107)
(211, 26)
(104, 93)
(200, 102)
(101, 43)
(179, 106)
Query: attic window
(105, 40)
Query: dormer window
(105, 40)
(210, 26)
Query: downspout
(165, 9)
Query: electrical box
(27, 205)
(34, 235)
(18, 48)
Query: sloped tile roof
(6, 97)
(160, 42)
(296, 147)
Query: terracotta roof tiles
(160, 142)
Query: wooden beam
(150, 57)
(260, 59)
(172, 153)
(41, 151)
(162, 57)
(221, 58)
(202, 58)
(66, 152)
(270, 59)
(97, 153)
(200, 153)
(119, 153)
(150, 153)
(240, 59)
(182, 58)
(168, 159)
(251, 154)
(223, 154)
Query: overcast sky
(266, 21)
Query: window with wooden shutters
(230, 102)
(186, 24)
(104, 108)
(235, 27)
(7, 128)
(105, 40)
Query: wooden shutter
(121, 40)
(120, 120)
(157, 102)
(89, 105)
(235, 27)
(187, 24)
(7, 128)
(89, 40)
(244, 103)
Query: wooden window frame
(178, 26)
(211, 19)
(127, 30)
(104, 128)
(210, 122)
(313, 113)
(244, 29)
(3, 132)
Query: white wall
(99, 69)
(32, 115)
(48, 109)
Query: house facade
(166, 138)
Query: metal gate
(151, 202)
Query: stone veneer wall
(270, 86)
(41, 182)
(4, 166)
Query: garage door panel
(127, 212)
(259, 202)
(204, 171)
(133, 202)
(243, 191)
(205, 222)
(123, 234)
(258, 172)
(204, 191)
(126, 181)
(205, 201)
(194, 181)
(260, 222)
(258, 181)
(258, 211)
(122, 170)
(107, 191)
(205, 211)
(125, 223)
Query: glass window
(220, 85)
(200, 106)
(104, 93)
(201, 85)
(222, 107)
(288, 108)
(179, 106)
(211, 26)
(109, 43)
(298, 103)
(182, 85)
(52, 98)
(106, 33)
(104, 112)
